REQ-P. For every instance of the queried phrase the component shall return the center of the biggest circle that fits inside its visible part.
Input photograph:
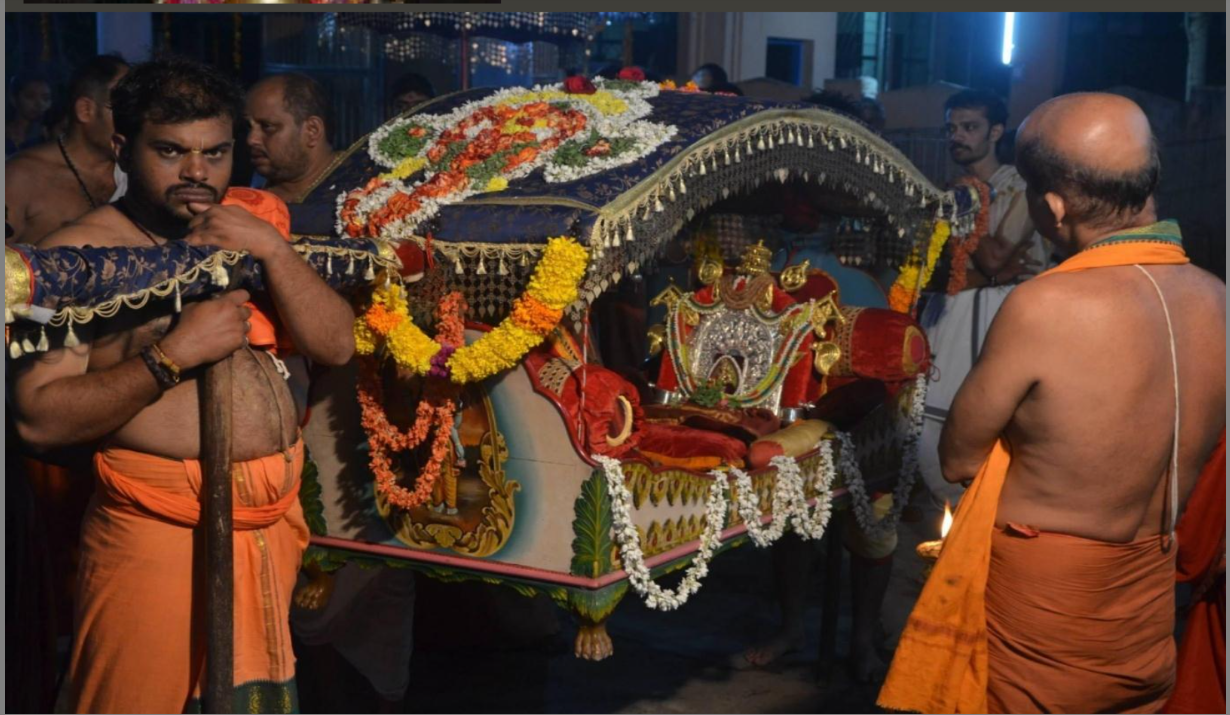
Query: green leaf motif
(400, 145)
(311, 497)
(591, 547)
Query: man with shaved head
(1099, 395)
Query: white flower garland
(789, 507)
(789, 499)
(630, 548)
(850, 470)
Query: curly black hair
(989, 102)
(173, 90)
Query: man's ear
(119, 147)
(313, 131)
(997, 132)
(85, 109)
(1057, 206)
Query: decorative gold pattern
(215, 265)
(912, 334)
(668, 297)
(827, 355)
(657, 339)
(664, 536)
(795, 277)
(756, 260)
(710, 271)
(16, 283)
(673, 485)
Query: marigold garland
(385, 439)
(915, 272)
(552, 287)
(964, 248)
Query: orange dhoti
(1091, 620)
(1054, 623)
(140, 644)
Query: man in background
(30, 97)
(55, 182)
(409, 91)
(1010, 252)
(289, 121)
(46, 187)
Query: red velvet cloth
(601, 411)
(819, 286)
(680, 441)
(880, 344)
(1200, 685)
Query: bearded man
(133, 384)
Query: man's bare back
(1092, 439)
(169, 426)
(42, 194)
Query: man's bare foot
(314, 594)
(593, 642)
(867, 665)
(768, 652)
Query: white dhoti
(956, 327)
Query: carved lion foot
(314, 595)
(593, 642)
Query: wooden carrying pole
(218, 695)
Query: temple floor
(484, 648)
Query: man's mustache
(193, 187)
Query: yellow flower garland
(602, 100)
(553, 285)
(916, 273)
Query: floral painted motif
(569, 130)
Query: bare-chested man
(134, 383)
(46, 187)
(53, 183)
(1081, 377)
(288, 134)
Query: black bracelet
(162, 376)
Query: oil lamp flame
(947, 521)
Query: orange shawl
(941, 660)
(265, 332)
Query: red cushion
(680, 441)
(880, 344)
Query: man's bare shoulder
(1037, 302)
(1204, 281)
(23, 170)
(100, 227)
(38, 159)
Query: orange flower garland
(964, 248)
(534, 315)
(437, 407)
